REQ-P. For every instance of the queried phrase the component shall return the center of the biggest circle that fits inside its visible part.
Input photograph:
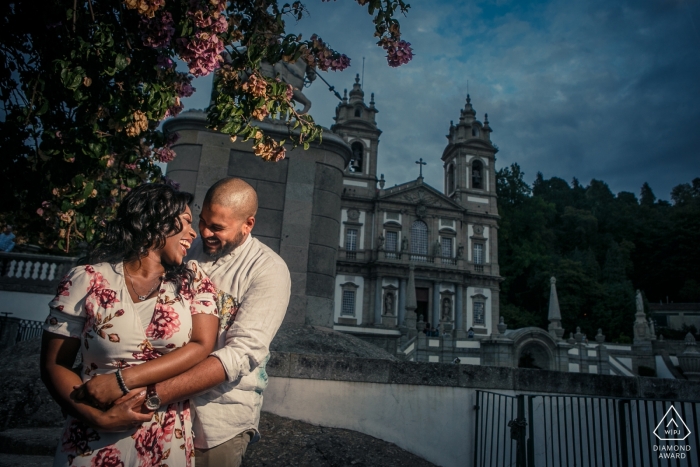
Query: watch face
(153, 402)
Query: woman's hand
(127, 413)
(99, 392)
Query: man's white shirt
(258, 281)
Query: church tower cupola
(469, 161)
(355, 122)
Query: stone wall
(427, 408)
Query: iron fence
(531, 430)
(29, 329)
(13, 330)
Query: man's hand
(99, 392)
(127, 413)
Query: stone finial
(382, 182)
(578, 336)
(371, 101)
(357, 78)
(571, 339)
(690, 344)
(642, 331)
(502, 326)
(600, 338)
(689, 360)
(661, 337)
(554, 314)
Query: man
(226, 388)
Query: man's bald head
(228, 216)
(235, 194)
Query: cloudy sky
(589, 89)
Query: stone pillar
(378, 301)
(299, 202)
(459, 312)
(411, 303)
(436, 304)
(402, 302)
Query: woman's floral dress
(93, 305)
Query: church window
(446, 246)
(477, 175)
(478, 253)
(450, 178)
(475, 131)
(392, 243)
(446, 250)
(348, 305)
(358, 111)
(419, 241)
(351, 243)
(358, 150)
(479, 307)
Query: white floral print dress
(93, 304)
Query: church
(377, 262)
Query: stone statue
(404, 244)
(446, 309)
(388, 303)
(380, 242)
(460, 251)
(436, 248)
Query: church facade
(412, 255)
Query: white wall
(25, 305)
(433, 422)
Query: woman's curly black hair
(145, 218)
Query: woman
(138, 316)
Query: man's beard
(225, 248)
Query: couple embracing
(173, 333)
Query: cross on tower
(421, 164)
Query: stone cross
(421, 164)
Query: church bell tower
(469, 163)
(355, 122)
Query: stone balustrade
(33, 273)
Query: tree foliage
(600, 246)
(84, 85)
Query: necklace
(145, 296)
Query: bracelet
(120, 381)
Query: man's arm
(248, 340)
(198, 379)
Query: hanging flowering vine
(85, 85)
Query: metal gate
(533, 430)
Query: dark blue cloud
(594, 89)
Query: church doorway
(534, 355)
(422, 295)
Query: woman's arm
(104, 389)
(57, 358)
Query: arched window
(419, 241)
(477, 175)
(358, 111)
(450, 178)
(358, 150)
(475, 131)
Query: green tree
(85, 84)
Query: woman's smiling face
(177, 244)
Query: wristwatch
(152, 399)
